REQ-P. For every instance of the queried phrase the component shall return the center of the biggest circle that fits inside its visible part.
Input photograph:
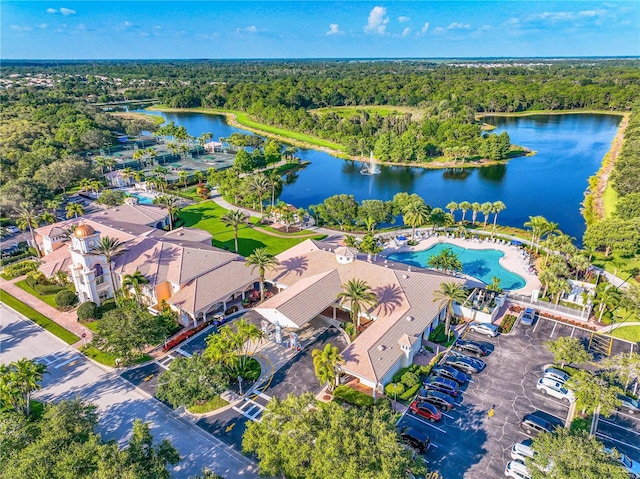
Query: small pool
(143, 200)
(482, 264)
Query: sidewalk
(68, 320)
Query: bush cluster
(18, 269)
(66, 299)
(88, 310)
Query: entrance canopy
(300, 303)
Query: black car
(471, 347)
(439, 399)
(443, 385)
(629, 405)
(465, 364)
(452, 373)
(533, 425)
(416, 439)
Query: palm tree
(110, 163)
(151, 153)
(448, 294)
(47, 217)
(275, 182)
(607, 297)
(262, 260)
(260, 183)
(96, 185)
(51, 205)
(18, 380)
(74, 210)
(138, 176)
(101, 161)
(135, 281)
(85, 184)
(538, 225)
(138, 156)
(198, 176)
(446, 260)
(127, 174)
(183, 176)
(234, 218)
(486, 209)
(497, 207)
(452, 206)
(109, 248)
(358, 294)
(415, 214)
(171, 204)
(464, 207)
(27, 218)
(325, 364)
(475, 207)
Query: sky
(320, 29)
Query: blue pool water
(482, 264)
(143, 200)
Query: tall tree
(234, 218)
(74, 210)
(358, 294)
(234, 347)
(28, 218)
(452, 206)
(567, 350)
(262, 260)
(464, 207)
(475, 208)
(625, 368)
(415, 215)
(497, 207)
(171, 204)
(109, 248)
(18, 380)
(594, 392)
(135, 281)
(325, 364)
(448, 294)
(486, 209)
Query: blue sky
(322, 29)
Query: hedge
(350, 395)
(38, 318)
(409, 393)
(18, 269)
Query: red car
(426, 410)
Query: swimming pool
(482, 264)
(143, 200)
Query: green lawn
(609, 200)
(206, 216)
(216, 403)
(50, 299)
(630, 333)
(109, 359)
(348, 111)
(38, 318)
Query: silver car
(556, 374)
(488, 329)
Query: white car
(554, 388)
(632, 467)
(517, 470)
(12, 229)
(521, 451)
(488, 329)
(556, 374)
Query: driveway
(71, 374)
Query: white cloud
(334, 29)
(458, 26)
(406, 32)
(249, 29)
(403, 19)
(81, 26)
(377, 21)
(43, 25)
(425, 28)
(127, 24)
(439, 31)
(591, 13)
(20, 28)
(52, 10)
(67, 11)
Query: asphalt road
(71, 374)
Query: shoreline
(232, 119)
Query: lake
(569, 149)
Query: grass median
(38, 318)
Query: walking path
(68, 319)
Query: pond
(569, 149)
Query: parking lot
(620, 431)
(468, 443)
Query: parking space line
(573, 330)
(619, 426)
(620, 413)
(554, 329)
(547, 412)
(419, 419)
(536, 326)
(74, 358)
(446, 415)
(609, 438)
(184, 353)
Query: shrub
(87, 310)
(18, 269)
(507, 323)
(409, 393)
(111, 197)
(394, 389)
(347, 394)
(410, 379)
(66, 299)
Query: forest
(49, 116)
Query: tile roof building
(182, 267)
(311, 276)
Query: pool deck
(512, 259)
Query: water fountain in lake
(372, 168)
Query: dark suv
(472, 347)
(533, 425)
(443, 385)
(442, 401)
(629, 405)
(416, 439)
(449, 372)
